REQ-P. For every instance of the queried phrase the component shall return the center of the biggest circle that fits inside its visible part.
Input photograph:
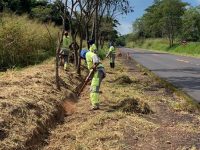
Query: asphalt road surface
(183, 72)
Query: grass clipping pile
(124, 79)
(131, 105)
(29, 103)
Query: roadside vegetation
(25, 42)
(85, 20)
(168, 25)
(187, 49)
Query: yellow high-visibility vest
(89, 59)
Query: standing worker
(94, 64)
(111, 54)
(65, 49)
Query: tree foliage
(191, 24)
(163, 19)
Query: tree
(1, 5)
(191, 24)
(162, 19)
(107, 30)
(19, 6)
(172, 11)
(111, 9)
(42, 13)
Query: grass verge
(189, 49)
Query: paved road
(183, 72)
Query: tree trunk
(80, 48)
(79, 58)
(87, 34)
(93, 29)
(64, 16)
(57, 61)
(97, 24)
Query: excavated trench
(40, 135)
(31, 106)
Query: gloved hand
(89, 77)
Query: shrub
(24, 42)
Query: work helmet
(91, 42)
(66, 33)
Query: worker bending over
(94, 64)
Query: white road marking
(185, 61)
(155, 54)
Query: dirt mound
(131, 105)
(123, 80)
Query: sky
(139, 9)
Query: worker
(93, 63)
(65, 49)
(111, 53)
(93, 46)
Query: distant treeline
(172, 19)
(40, 9)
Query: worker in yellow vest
(111, 53)
(65, 49)
(93, 62)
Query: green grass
(190, 49)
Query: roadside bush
(102, 52)
(24, 42)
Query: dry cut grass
(30, 103)
(134, 114)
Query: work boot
(95, 107)
(110, 65)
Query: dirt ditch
(31, 105)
